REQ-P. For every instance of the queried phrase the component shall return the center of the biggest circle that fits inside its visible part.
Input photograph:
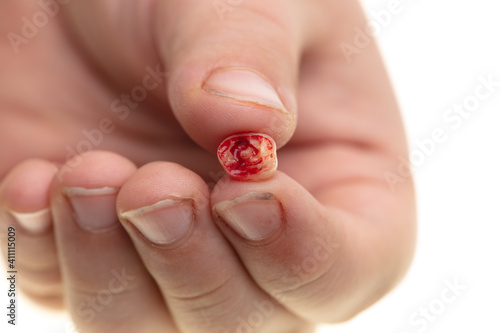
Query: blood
(248, 156)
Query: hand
(175, 246)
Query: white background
(435, 51)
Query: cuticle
(282, 109)
(66, 198)
(177, 243)
(280, 232)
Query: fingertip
(25, 188)
(24, 195)
(211, 106)
(94, 169)
(85, 191)
(263, 211)
(151, 182)
(280, 185)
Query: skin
(341, 133)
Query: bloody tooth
(248, 156)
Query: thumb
(231, 75)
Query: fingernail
(248, 156)
(243, 85)
(164, 222)
(94, 209)
(35, 222)
(254, 216)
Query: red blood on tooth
(249, 156)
